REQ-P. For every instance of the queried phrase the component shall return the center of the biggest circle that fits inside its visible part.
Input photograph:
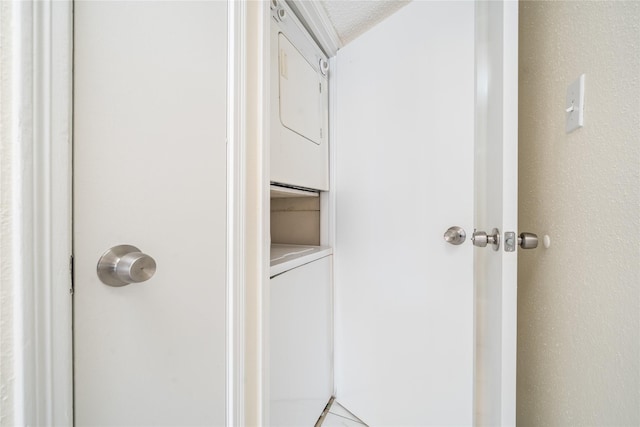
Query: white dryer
(299, 104)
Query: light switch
(574, 106)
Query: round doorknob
(125, 264)
(482, 239)
(455, 235)
(528, 240)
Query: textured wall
(7, 219)
(579, 301)
(352, 18)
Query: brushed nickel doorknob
(482, 239)
(525, 240)
(528, 240)
(125, 264)
(455, 235)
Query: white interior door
(404, 172)
(150, 171)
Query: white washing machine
(300, 334)
(299, 104)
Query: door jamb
(36, 244)
(253, 107)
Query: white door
(149, 171)
(409, 339)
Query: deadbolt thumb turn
(125, 264)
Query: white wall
(579, 327)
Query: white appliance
(300, 352)
(299, 104)
(300, 290)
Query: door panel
(404, 173)
(301, 104)
(150, 171)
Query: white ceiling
(351, 18)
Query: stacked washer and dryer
(300, 289)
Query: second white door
(150, 171)
(404, 173)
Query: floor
(338, 416)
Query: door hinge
(320, 84)
(71, 269)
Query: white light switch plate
(574, 105)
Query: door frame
(37, 195)
(36, 232)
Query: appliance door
(299, 108)
(300, 351)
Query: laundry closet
(309, 207)
(375, 151)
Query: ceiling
(351, 18)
